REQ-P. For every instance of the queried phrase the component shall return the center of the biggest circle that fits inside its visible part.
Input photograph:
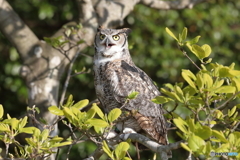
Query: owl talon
(111, 134)
(128, 130)
(126, 133)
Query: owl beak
(108, 44)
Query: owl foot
(126, 133)
(110, 135)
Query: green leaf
(69, 114)
(114, 114)
(232, 111)
(97, 122)
(161, 100)
(91, 113)
(81, 104)
(98, 110)
(69, 101)
(225, 89)
(219, 135)
(23, 122)
(45, 134)
(61, 144)
(207, 80)
(28, 130)
(236, 83)
(189, 77)
(107, 150)
(132, 95)
(1, 111)
(195, 142)
(14, 123)
(194, 40)
(55, 110)
(121, 150)
(184, 34)
(171, 34)
(207, 50)
(203, 132)
(56, 139)
(183, 145)
(180, 123)
(198, 51)
(4, 127)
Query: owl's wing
(125, 78)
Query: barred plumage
(116, 76)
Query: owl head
(111, 43)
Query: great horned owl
(116, 76)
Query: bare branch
(68, 77)
(180, 4)
(152, 145)
(16, 30)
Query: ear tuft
(100, 27)
(127, 31)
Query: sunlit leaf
(98, 110)
(132, 95)
(23, 122)
(184, 34)
(114, 114)
(189, 77)
(121, 150)
(171, 34)
(97, 122)
(1, 111)
(107, 150)
(61, 144)
(81, 104)
(161, 100)
(219, 135)
(232, 111)
(195, 142)
(194, 40)
(225, 89)
(181, 124)
(55, 110)
(45, 134)
(207, 50)
(198, 51)
(28, 130)
(183, 145)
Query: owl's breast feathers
(116, 80)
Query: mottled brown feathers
(116, 76)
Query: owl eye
(102, 36)
(116, 37)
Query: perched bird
(116, 76)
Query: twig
(185, 54)
(223, 105)
(68, 77)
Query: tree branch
(16, 30)
(162, 150)
(180, 4)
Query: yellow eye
(116, 37)
(102, 36)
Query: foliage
(39, 145)
(207, 95)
